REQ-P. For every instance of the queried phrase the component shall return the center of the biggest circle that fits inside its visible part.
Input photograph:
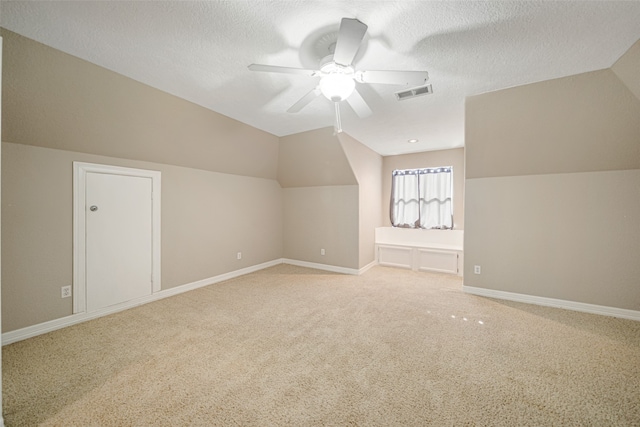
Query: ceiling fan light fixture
(337, 74)
(337, 87)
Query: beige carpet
(297, 347)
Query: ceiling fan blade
(359, 105)
(304, 101)
(286, 70)
(403, 78)
(350, 36)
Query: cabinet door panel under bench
(395, 256)
(437, 260)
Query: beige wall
(573, 236)
(207, 217)
(320, 199)
(367, 166)
(582, 123)
(322, 218)
(453, 157)
(313, 158)
(55, 100)
(552, 197)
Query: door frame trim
(80, 170)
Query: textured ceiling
(200, 51)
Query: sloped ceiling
(627, 68)
(200, 52)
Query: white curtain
(436, 208)
(422, 198)
(405, 206)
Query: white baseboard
(332, 268)
(63, 322)
(325, 267)
(367, 267)
(220, 278)
(552, 302)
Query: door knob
(93, 208)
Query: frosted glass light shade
(337, 87)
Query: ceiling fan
(338, 77)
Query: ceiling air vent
(412, 93)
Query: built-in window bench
(420, 250)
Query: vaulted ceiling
(200, 51)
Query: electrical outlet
(477, 269)
(66, 291)
(322, 252)
(239, 256)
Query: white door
(118, 215)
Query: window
(422, 198)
